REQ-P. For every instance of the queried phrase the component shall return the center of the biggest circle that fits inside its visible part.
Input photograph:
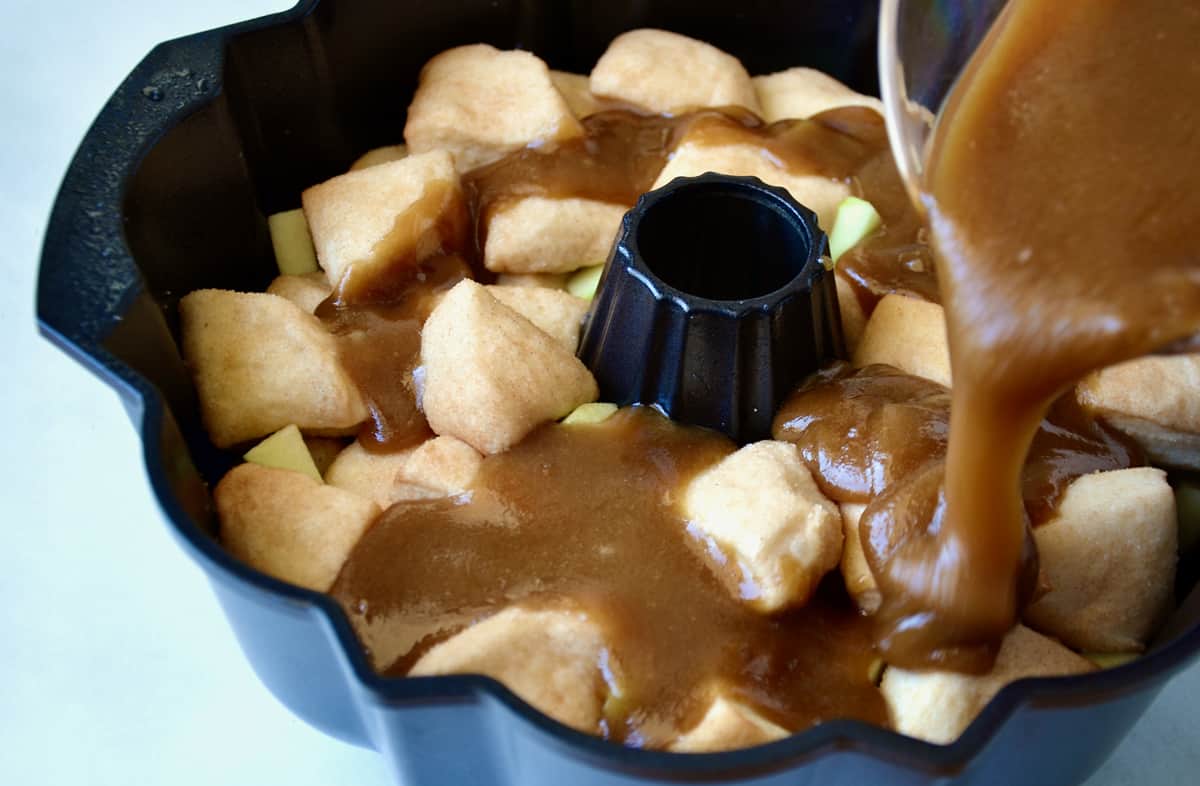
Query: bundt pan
(170, 191)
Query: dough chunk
(557, 313)
(762, 506)
(1109, 557)
(261, 363)
(1155, 400)
(856, 572)
(379, 155)
(804, 92)
(550, 658)
(909, 334)
(491, 375)
(543, 235)
(670, 73)
(368, 223)
(481, 103)
(288, 525)
(938, 705)
(728, 724)
(693, 157)
(307, 291)
(576, 90)
(438, 467)
(854, 319)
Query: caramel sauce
(379, 345)
(1063, 193)
(864, 431)
(590, 516)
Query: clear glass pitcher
(923, 46)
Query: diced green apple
(584, 282)
(856, 219)
(294, 253)
(285, 449)
(1110, 660)
(590, 414)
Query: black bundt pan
(169, 192)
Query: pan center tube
(714, 304)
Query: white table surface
(116, 665)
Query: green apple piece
(1187, 507)
(285, 449)
(1110, 660)
(584, 282)
(294, 253)
(856, 218)
(590, 414)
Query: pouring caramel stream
(1063, 196)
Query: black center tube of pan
(714, 304)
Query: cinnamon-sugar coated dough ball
(491, 376)
(288, 525)
(762, 505)
(307, 291)
(693, 157)
(937, 706)
(670, 73)
(728, 724)
(261, 363)
(480, 104)
(1155, 400)
(909, 334)
(557, 313)
(367, 222)
(551, 235)
(549, 657)
(438, 467)
(856, 571)
(804, 92)
(1109, 557)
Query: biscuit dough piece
(550, 658)
(379, 155)
(261, 363)
(1155, 400)
(728, 724)
(909, 334)
(937, 706)
(307, 291)
(438, 467)
(368, 222)
(557, 313)
(762, 506)
(1109, 557)
(854, 319)
(804, 92)
(669, 73)
(543, 235)
(288, 525)
(818, 193)
(491, 376)
(856, 572)
(481, 103)
(576, 90)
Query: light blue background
(116, 666)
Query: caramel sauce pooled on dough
(590, 516)
(1063, 194)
